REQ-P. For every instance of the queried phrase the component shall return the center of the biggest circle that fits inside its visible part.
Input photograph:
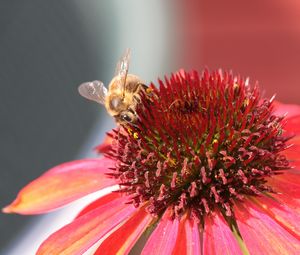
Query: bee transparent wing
(94, 90)
(122, 70)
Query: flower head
(208, 167)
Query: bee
(123, 94)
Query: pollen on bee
(149, 90)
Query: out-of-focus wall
(47, 49)
(258, 38)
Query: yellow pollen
(134, 135)
(246, 102)
(149, 90)
(129, 131)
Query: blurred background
(48, 48)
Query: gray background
(44, 54)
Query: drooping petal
(78, 236)
(262, 234)
(281, 213)
(123, 239)
(62, 185)
(163, 238)
(218, 237)
(188, 239)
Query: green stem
(240, 241)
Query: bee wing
(122, 70)
(94, 90)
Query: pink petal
(123, 239)
(163, 238)
(100, 202)
(62, 185)
(285, 216)
(286, 199)
(78, 236)
(188, 238)
(218, 238)
(262, 234)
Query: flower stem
(240, 241)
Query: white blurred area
(146, 28)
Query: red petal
(163, 238)
(218, 238)
(123, 239)
(262, 234)
(291, 109)
(286, 217)
(106, 145)
(78, 236)
(293, 128)
(188, 238)
(287, 189)
(62, 185)
(292, 124)
(286, 183)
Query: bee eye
(126, 117)
(115, 103)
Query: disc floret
(200, 144)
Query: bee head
(126, 116)
(115, 103)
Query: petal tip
(13, 207)
(8, 209)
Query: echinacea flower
(210, 167)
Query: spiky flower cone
(208, 168)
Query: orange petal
(163, 238)
(78, 236)
(188, 238)
(262, 234)
(62, 185)
(123, 239)
(218, 237)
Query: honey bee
(123, 94)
